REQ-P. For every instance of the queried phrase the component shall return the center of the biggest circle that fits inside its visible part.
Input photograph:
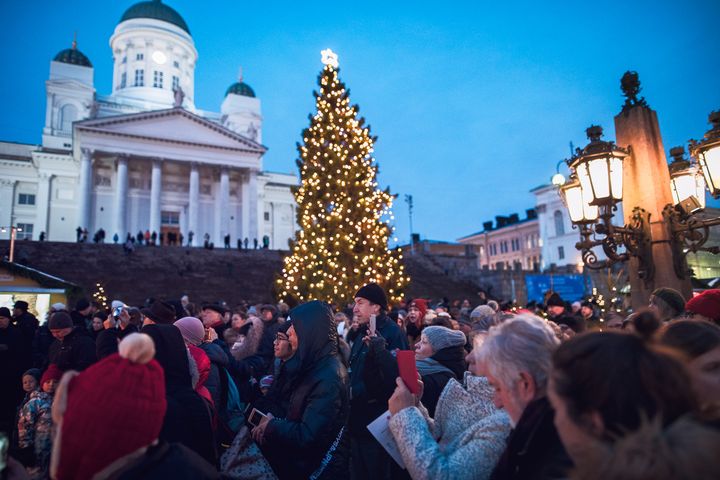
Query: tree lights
(344, 217)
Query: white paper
(380, 429)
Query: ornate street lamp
(578, 205)
(685, 180)
(707, 152)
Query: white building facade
(144, 158)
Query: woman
(465, 438)
(309, 441)
(193, 332)
(624, 410)
(440, 356)
(699, 342)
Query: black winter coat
(167, 460)
(369, 394)
(534, 450)
(75, 352)
(11, 370)
(452, 358)
(318, 405)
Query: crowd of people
(173, 389)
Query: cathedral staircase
(204, 275)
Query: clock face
(159, 57)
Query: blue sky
(474, 103)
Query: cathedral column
(253, 206)
(245, 209)
(121, 195)
(223, 227)
(85, 188)
(194, 205)
(155, 191)
(7, 202)
(42, 206)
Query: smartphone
(116, 312)
(373, 324)
(408, 370)
(256, 417)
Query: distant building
(144, 157)
(557, 235)
(509, 243)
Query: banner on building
(569, 287)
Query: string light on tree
(344, 217)
(99, 296)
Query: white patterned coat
(465, 439)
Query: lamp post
(409, 201)
(13, 233)
(661, 201)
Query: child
(30, 383)
(35, 425)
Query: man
(587, 312)
(82, 315)
(369, 460)
(213, 316)
(72, 349)
(12, 359)
(159, 312)
(25, 321)
(666, 303)
(555, 307)
(518, 355)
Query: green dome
(73, 56)
(240, 88)
(157, 10)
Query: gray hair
(524, 343)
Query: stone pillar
(253, 206)
(194, 205)
(85, 188)
(223, 228)
(646, 183)
(7, 203)
(245, 220)
(42, 206)
(121, 195)
(155, 191)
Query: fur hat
(373, 293)
(109, 410)
(706, 304)
(191, 329)
(441, 337)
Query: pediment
(172, 125)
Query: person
(518, 355)
(115, 329)
(193, 333)
(308, 442)
(12, 361)
(35, 426)
(705, 306)
(626, 410)
(555, 308)
(159, 312)
(282, 348)
(110, 418)
(26, 323)
(369, 459)
(73, 349)
(699, 343)
(187, 419)
(440, 356)
(30, 383)
(417, 309)
(250, 331)
(343, 324)
(81, 314)
(226, 240)
(465, 437)
(666, 303)
(97, 324)
(213, 316)
(587, 313)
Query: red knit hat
(52, 373)
(420, 304)
(706, 304)
(113, 408)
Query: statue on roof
(179, 96)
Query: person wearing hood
(310, 442)
(109, 421)
(187, 418)
(415, 319)
(440, 356)
(624, 410)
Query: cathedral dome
(157, 10)
(240, 88)
(73, 56)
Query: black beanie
(555, 301)
(60, 320)
(374, 293)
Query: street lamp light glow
(599, 169)
(707, 152)
(685, 180)
(577, 203)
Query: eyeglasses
(281, 338)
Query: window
(157, 79)
(68, 114)
(24, 231)
(123, 80)
(175, 82)
(561, 253)
(267, 216)
(140, 56)
(170, 218)
(559, 223)
(26, 199)
(176, 64)
(139, 78)
(124, 60)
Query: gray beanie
(442, 337)
(481, 311)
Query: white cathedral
(145, 158)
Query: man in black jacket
(368, 400)
(72, 349)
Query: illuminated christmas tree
(344, 217)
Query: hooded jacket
(318, 407)
(187, 419)
(448, 363)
